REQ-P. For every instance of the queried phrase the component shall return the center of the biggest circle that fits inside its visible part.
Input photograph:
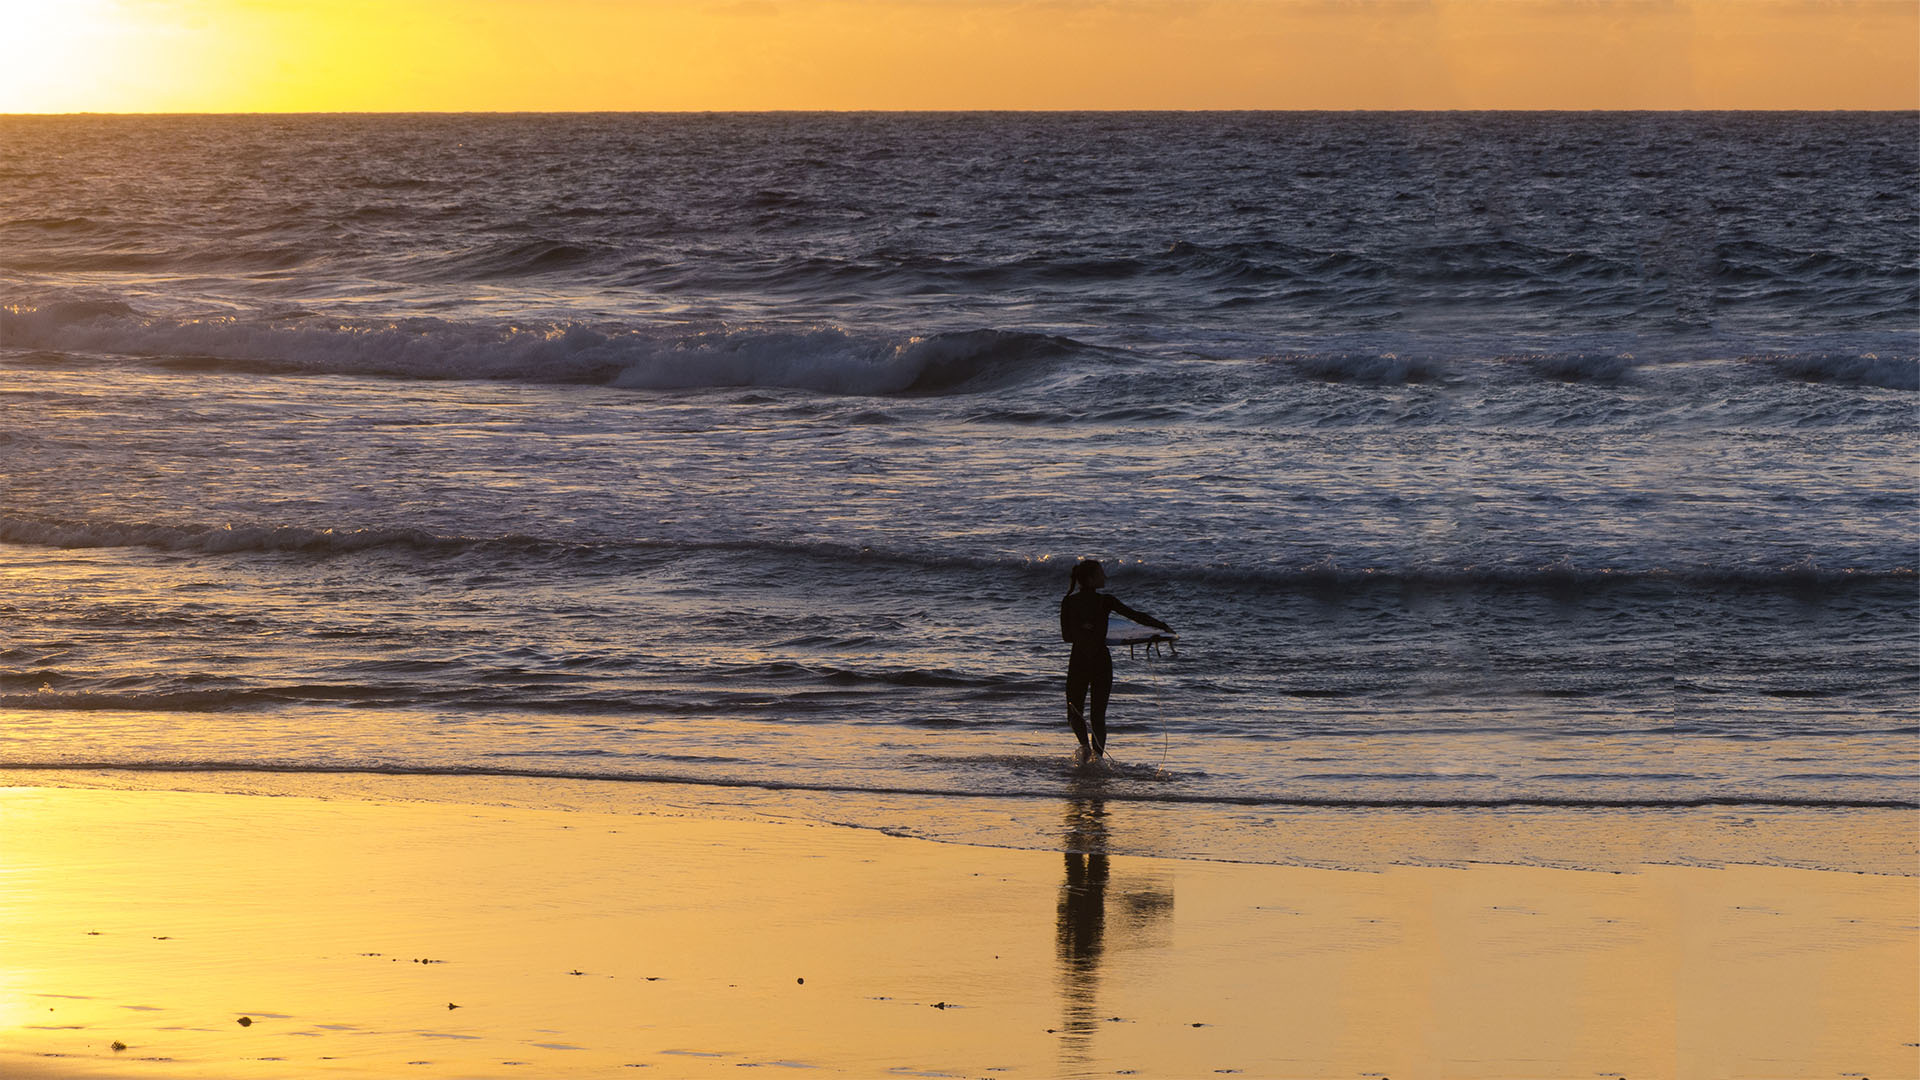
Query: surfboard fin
(1153, 644)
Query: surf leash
(1152, 652)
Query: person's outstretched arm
(1141, 617)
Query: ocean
(1488, 462)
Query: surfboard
(1124, 631)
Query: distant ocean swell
(1418, 269)
(1552, 576)
(824, 358)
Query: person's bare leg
(1102, 688)
(1077, 686)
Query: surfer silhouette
(1083, 622)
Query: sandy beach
(575, 594)
(383, 939)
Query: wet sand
(365, 939)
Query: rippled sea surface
(1482, 460)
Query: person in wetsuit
(1083, 621)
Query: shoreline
(582, 943)
(1846, 839)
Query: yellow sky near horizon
(561, 55)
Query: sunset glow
(486, 55)
(955, 538)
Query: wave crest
(826, 359)
(1870, 369)
(1376, 369)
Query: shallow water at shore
(1343, 835)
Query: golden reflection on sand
(1081, 926)
(435, 940)
(1143, 899)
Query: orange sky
(298, 55)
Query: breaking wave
(1888, 372)
(826, 359)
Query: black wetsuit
(1083, 621)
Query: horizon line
(952, 111)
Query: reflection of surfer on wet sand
(1141, 903)
(1081, 922)
(1083, 622)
